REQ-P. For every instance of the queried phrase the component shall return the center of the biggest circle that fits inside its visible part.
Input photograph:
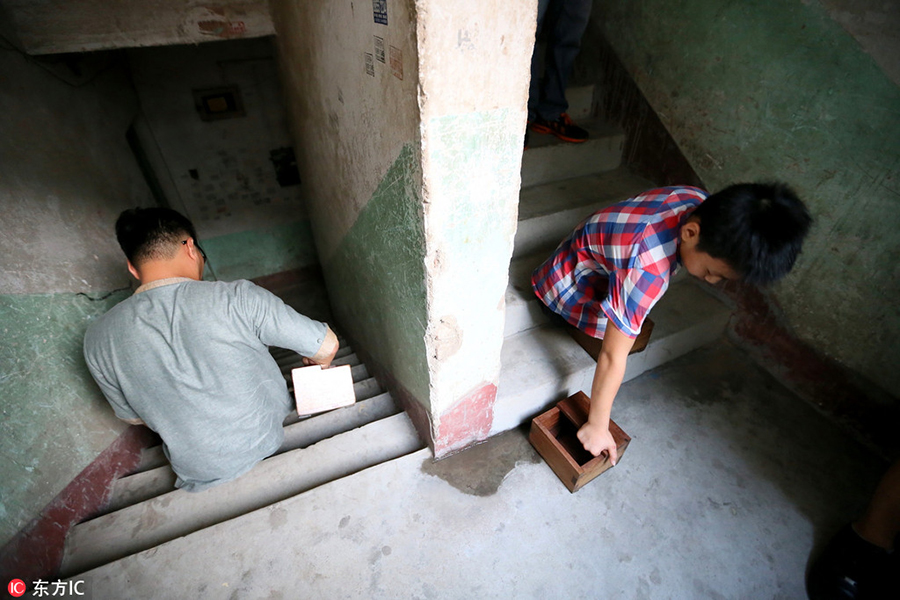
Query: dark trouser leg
(857, 563)
(568, 19)
(881, 523)
(534, 90)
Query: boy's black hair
(152, 233)
(756, 228)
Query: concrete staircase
(562, 184)
(146, 510)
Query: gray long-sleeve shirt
(190, 359)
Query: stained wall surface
(221, 172)
(474, 67)
(410, 118)
(56, 26)
(759, 91)
(65, 173)
(350, 76)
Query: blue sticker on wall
(379, 9)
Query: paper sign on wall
(379, 10)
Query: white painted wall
(350, 80)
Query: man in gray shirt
(189, 358)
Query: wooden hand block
(593, 345)
(553, 435)
(317, 390)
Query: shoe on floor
(564, 128)
(850, 568)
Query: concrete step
(522, 308)
(176, 514)
(549, 159)
(153, 457)
(151, 483)
(721, 456)
(358, 372)
(581, 102)
(542, 364)
(301, 514)
(549, 212)
(283, 356)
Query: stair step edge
(544, 364)
(246, 525)
(139, 487)
(155, 522)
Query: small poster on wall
(397, 62)
(379, 9)
(379, 49)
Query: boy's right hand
(597, 439)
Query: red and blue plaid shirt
(617, 264)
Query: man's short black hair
(758, 229)
(152, 233)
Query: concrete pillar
(474, 59)
(409, 121)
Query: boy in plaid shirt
(607, 275)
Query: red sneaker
(564, 128)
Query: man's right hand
(324, 363)
(597, 439)
(326, 352)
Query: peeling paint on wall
(809, 107)
(445, 339)
(376, 278)
(467, 422)
(54, 420)
(474, 72)
(250, 254)
(472, 182)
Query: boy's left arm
(608, 375)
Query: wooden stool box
(593, 345)
(553, 435)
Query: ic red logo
(16, 588)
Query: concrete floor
(727, 486)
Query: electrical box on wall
(219, 103)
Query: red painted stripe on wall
(36, 552)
